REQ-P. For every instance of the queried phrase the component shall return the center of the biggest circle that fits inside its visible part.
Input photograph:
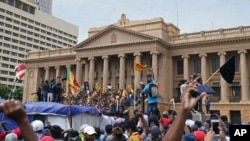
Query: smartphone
(214, 126)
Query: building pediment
(114, 35)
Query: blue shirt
(146, 90)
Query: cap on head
(37, 125)
(89, 130)
(11, 137)
(81, 130)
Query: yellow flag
(139, 67)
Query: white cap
(11, 137)
(89, 130)
(83, 127)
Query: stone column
(79, 71)
(137, 74)
(86, 75)
(224, 86)
(58, 77)
(105, 72)
(91, 72)
(186, 67)
(57, 71)
(122, 71)
(46, 73)
(203, 67)
(244, 76)
(155, 63)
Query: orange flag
(139, 67)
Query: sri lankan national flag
(139, 67)
(73, 84)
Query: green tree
(18, 93)
(4, 91)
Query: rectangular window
(29, 39)
(24, 24)
(4, 72)
(197, 65)
(22, 36)
(17, 16)
(31, 21)
(18, 4)
(25, 7)
(13, 53)
(7, 32)
(6, 58)
(35, 40)
(30, 33)
(32, 10)
(22, 43)
(14, 47)
(9, 13)
(11, 2)
(215, 64)
(236, 91)
(13, 60)
(29, 45)
(23, 30)
(16, 28)
(24, 18)
(14, 41)
(8, 25)
(16, 22)
(5, 65)
(8, 19)
(21, 55)
(15, 34)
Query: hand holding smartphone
(214, 126)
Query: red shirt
(2, 136)
(165, 121)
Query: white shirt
(189, 122)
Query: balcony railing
(214, 98)
(234, 98)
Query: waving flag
(139, 67)
(227, 70)
(74, 86)
(20, 70)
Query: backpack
(153, 90)
(128, 100)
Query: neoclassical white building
(108, 56)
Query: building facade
(43, 5)
(108, 56)
(24, 28)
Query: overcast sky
(189, 15)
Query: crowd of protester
(110, 100)
(153, 125)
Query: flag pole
(211, 76)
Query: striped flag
(139, 67)
(20, 70)
(74, 86)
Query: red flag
(20, 70)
